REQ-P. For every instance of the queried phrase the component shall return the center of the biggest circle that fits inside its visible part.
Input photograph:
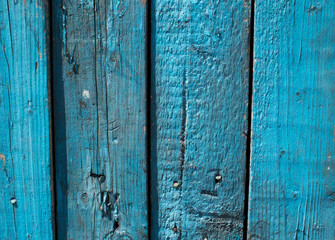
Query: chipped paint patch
(86, 94)
(3, 158)
(313, 9)
(39, 53)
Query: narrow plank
(25, 192)
(292, 185)
(100, 110)
(199, 113)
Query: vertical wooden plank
(199, 111)
(25, 192)
(293, 166)
(100, 109)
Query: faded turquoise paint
(199, 111)
(25, 196)
(292, 190)
(199, 105)
(100, 118)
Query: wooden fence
(168, 119)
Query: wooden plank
(199, 113)
(100, 110)
(25, 196)
(292, 190)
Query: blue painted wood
(100, 118)
(25, 196)
(292, 190)
(199, 111)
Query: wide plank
(100, 118)
(292, 189)
(25, 186)
(199, 107)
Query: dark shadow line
(249, 135)
(49, 30)
(57, 10)
(151, 123)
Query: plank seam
(51, 120)
(152, 123)
(249, 135)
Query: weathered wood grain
(25, 196)
(100, 118)
(199, 111)
(293, 166)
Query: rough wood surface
(100, 118)
(199, 112)
(292, 191)
(25, 196)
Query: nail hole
(84, 197)
(175, 184)
(102, 179)
(218, 178)
(116, 225)
(13, 201)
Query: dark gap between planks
(248, 150)
(51, 118)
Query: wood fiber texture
(292, 190)
(100, 118)
(25, 186)
(199, 105)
